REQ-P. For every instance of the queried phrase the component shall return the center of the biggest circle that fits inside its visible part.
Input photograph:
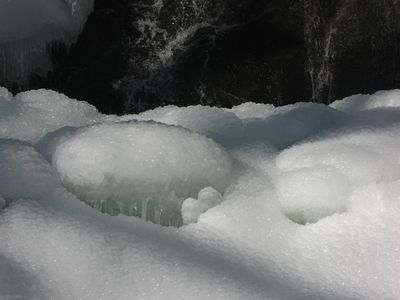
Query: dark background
(134, 55)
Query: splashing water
(162, 43)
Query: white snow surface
(31, 115)
(357, 103)
(295, 202)
(192, 209)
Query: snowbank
(31, 115)
(358, 103)
(220, 125)
(297, 202)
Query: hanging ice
(26, 28)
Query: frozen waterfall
(28, 26)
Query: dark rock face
(352, 47)
(215, 52)
(91, 68)
(135, 55)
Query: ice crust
(296, 202)
(140, 168)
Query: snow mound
(309, 194)
(360, 161)
(357, 103)
(140, 168)
(31, 115)
(290, 124)
(251, 110)
(380, 197)
(298, 202)
(193, 208)
(24, 173)
(5, 94)
(221, 125)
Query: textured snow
(357, 103)
(128, 167)
(220, 125)
(309, 194)
(296, 202)
(251, 110)
(193, 208)
(31, 115)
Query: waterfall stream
(320, 37)
(165, 31)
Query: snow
(140, 168)
(251, 110)
(24, 172)
(357, 103)
(218, 124)
(26, 27)
(296, 202)
(193, 208)
(31, 115)
(309, 194)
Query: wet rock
(136, 55)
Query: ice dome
(140, 168)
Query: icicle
(144, 208)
